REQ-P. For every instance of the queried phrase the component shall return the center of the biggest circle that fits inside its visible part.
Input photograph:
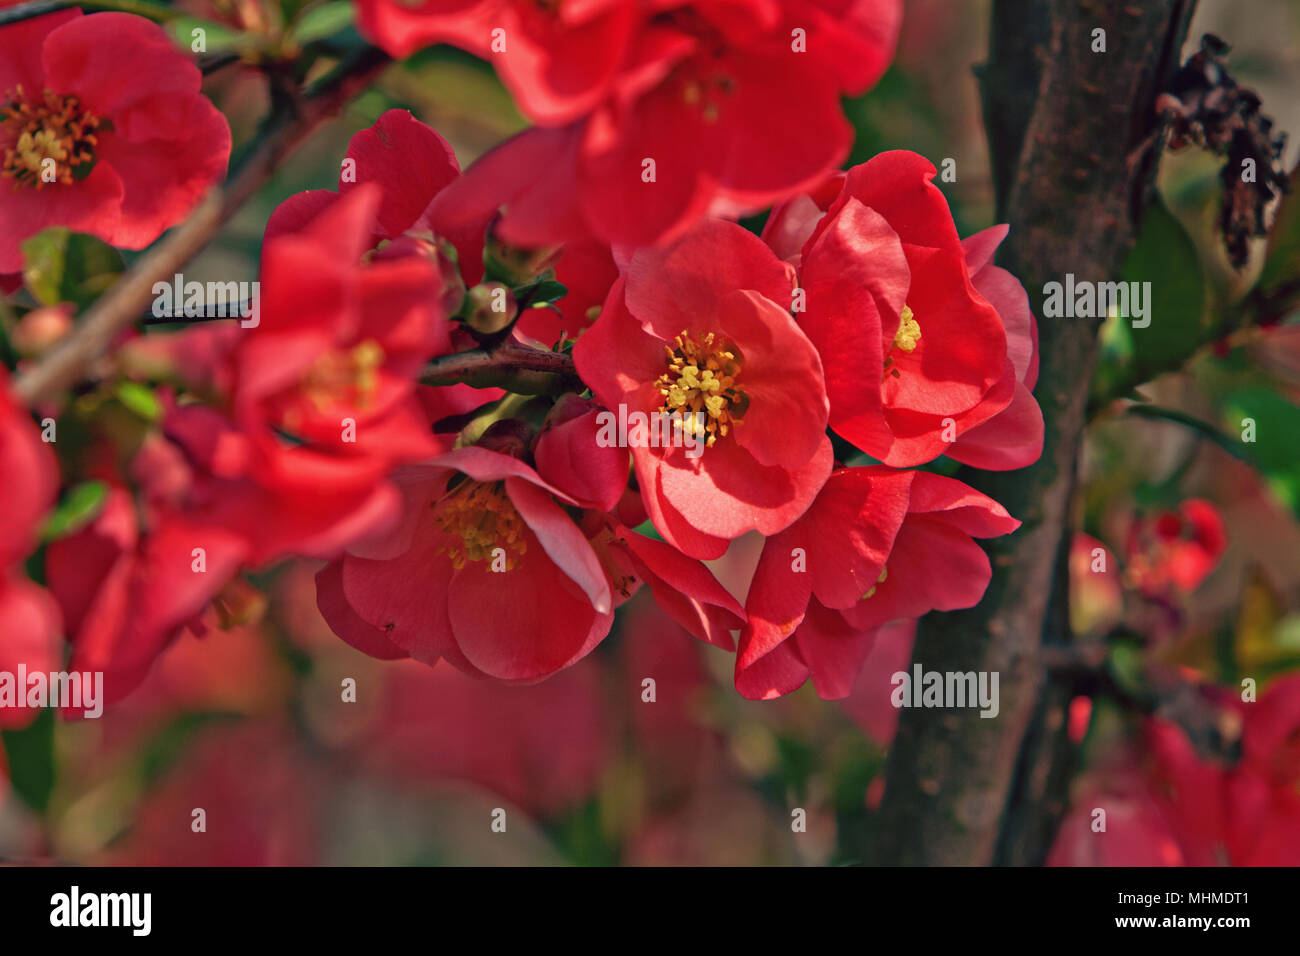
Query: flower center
(701, 377)
(483, 517)
(708, 94)
(354, 374)
(905, 340)
(51, 138)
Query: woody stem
(516, 368)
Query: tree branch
(517, 368)
(953, 777)
(121, 306)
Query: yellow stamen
(56, 128)
(905, 340)
(350, 376)
(484, 518)
(702, 377)
(909, 332)
(884, 573)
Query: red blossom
(1181, 806)
(118, 109)
(407, 160)
(557, 59)
(126, 594)
(696, 92)
(876, 546)
(889, 286)
(477, 524)
(704, 327)
(29, 618)
(1175, 550)
(322, 399)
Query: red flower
(29, 619)
(1013, 438)
(126, 595)
(557, 59)
(570, 457)
(890, 287)
(411, 164)
(687, 129)
(1246, 813)
(1175, 549)
(102, 130)
(322, 390)
(29, 478)
(876, 546)
(1136, 834)
(1192, 808)
(407, 160)
(485, 570)
(585, 267)
(683, 588)
(703, 330)
(1096, 594)
(29, 636)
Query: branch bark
(962, 790)
(517, 368)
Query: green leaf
(79, 506)
(1277, 423)
(217, 38)
(548, 291)
(1165, 256)
(140, 399)
(64, 266)
(321, 22)
(30, 754)
(1280, 276)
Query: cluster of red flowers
(653, 113)
(1230, 800)
(813, 371)
(859, 310)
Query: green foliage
(1277, 423)
(321, 21)
(64, 266)
(30, 755)
(1280, 278)
(217, 37)
(1165, 256)
(78, 507)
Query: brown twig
(524, 370)
(121, 306)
